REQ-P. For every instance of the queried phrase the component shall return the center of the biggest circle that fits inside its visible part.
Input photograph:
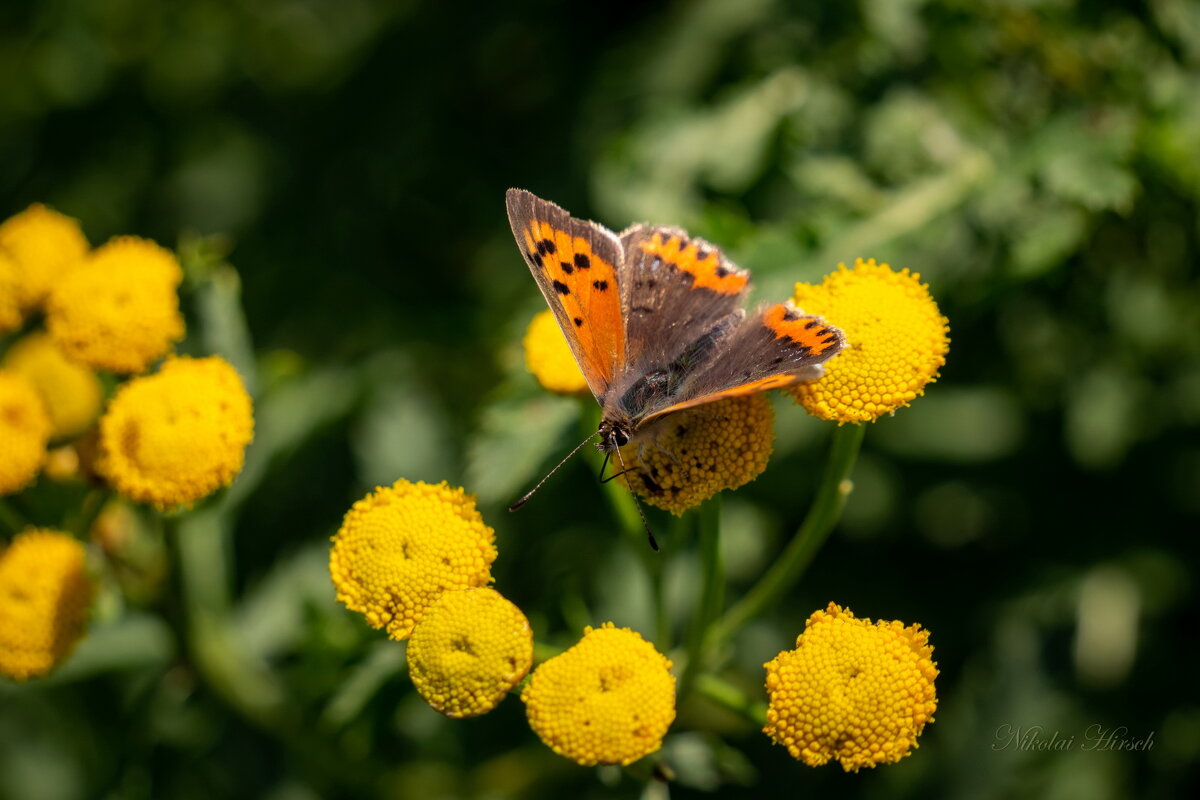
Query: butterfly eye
(620, 437)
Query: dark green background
(1037, 162)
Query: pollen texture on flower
(118, 311)
(44, 598)
(687, 457)
(72, 392)
(45, 246)
(171, 438)
(897, 341)
(853, 691)
(402, 546)
(549, 358)
(24, 431)
(608, 700)
(468, 650)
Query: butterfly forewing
(576, 265)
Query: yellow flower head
(12, 314)
(853, 691)
(608, 700)
(691, 455)
(173, 437)
(24, 431)
(46, 246)
(468, 650)
(401, 547)
(44, 598)
(897, 341)
(549, 358)
(72, 392)
(118, 311)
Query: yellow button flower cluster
(44, 598)
(851, 691)
(608, 700)
(72, 392)
(43, 246)
(468, 650)
(24, 431)
(549, 357)
(401, 547)
(897, 338)
(174, 437)
(118, 311)
(691, 455)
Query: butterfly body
(654, 318)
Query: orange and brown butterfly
(655, 319)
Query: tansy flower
(44, 597)
(401, 547)
(897, 341)
(46, 246)
(468, 650)
(851, 691)
(12, 315)
(173, 437)
(24, 431)
(72, 392)
(691, 455)
(549, 358)
(608, 700)
(118, 311)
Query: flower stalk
(826, 509)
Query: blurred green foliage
(1037, 161)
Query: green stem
(826, 509)
(730, 697)
(712, 591)
(89, 510)
(199, 545)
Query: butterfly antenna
(567, 458)
(636, 503)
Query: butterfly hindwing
(576, 265)
(775, 347)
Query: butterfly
(654, 318)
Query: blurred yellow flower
(549, 358)
(24, 431)
(176, 436)
(851, 691)
(46, 246)
(118, 311)
(12, 314)
(608, 700)
(45, 593)
(466, 652)
(689, 456)
(72, 392)
(897, 341)
(402, 546)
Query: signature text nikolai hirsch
(1095, 738)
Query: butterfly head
(613, 436)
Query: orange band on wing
(760, 385)
(785, 321)
(704, 266)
